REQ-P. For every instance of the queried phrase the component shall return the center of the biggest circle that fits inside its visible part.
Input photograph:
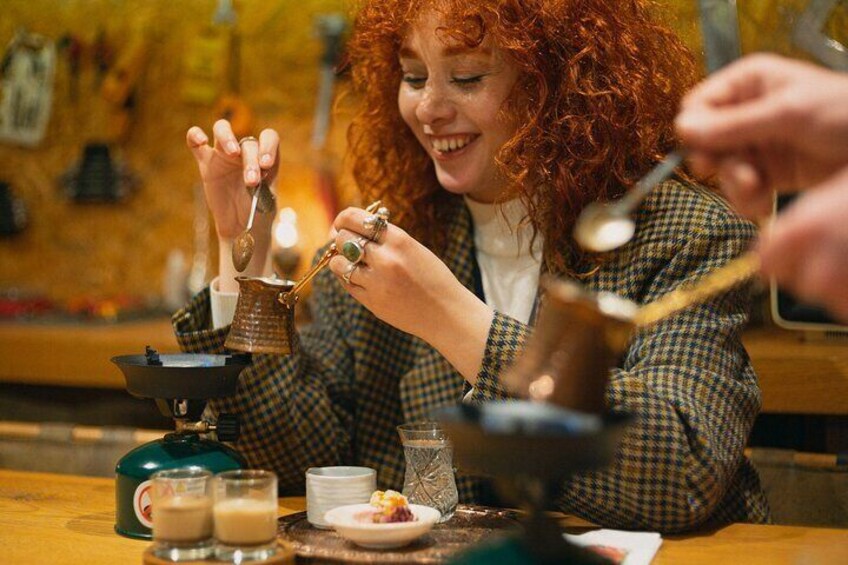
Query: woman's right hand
(226, 168)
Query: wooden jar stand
(285, 556)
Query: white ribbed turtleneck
(508, 266)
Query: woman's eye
(414, 81)
(465, 81)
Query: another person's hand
(767, 123)
(807, 248)
(227, 167)
(407, 286)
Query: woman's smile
(448, 147)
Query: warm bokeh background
(71, 251)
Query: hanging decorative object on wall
(26, 88)
(231, 106)
(13, 215)
(120, 84)
(330, 28)
(206, 60)
(97, 177)
(810, 34)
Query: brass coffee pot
(264, 318)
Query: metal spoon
(607, 226)
(290, 298)
(244, 243)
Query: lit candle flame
(285, 233)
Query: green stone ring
(354, 251)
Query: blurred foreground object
(576, 342)
(531, 446)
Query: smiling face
(451, 97)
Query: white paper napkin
(633, 548)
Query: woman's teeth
(447, 145)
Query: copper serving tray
(469, 525)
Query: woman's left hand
(404, 284)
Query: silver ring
(247, 138)
(377, 224)
(354, 251)
(349, 272)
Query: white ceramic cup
(331, 487)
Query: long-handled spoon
(290, 298)
(607, 226)
(714, 283)
(244, 243)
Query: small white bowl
(381, 536)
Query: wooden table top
(64, 519)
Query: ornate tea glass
(429, 478)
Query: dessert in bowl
(388, 521)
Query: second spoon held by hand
(607, 226)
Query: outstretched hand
(767, 123)
(807, 248)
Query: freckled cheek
(407, 106)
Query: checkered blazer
(353, 379)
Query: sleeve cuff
(505, 342)
(222, 304)
(193, 326)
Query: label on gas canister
(133, 516)
(142, 505)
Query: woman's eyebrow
(408, 53)
(448, 51)
(457, 50)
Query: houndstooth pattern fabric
(353, 379)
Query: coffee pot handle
(289, 298)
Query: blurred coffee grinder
(531, 446)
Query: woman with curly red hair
(485, 127)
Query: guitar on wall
(331, 29)
(231, 106)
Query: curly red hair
(600, 83)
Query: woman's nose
(435, 106)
